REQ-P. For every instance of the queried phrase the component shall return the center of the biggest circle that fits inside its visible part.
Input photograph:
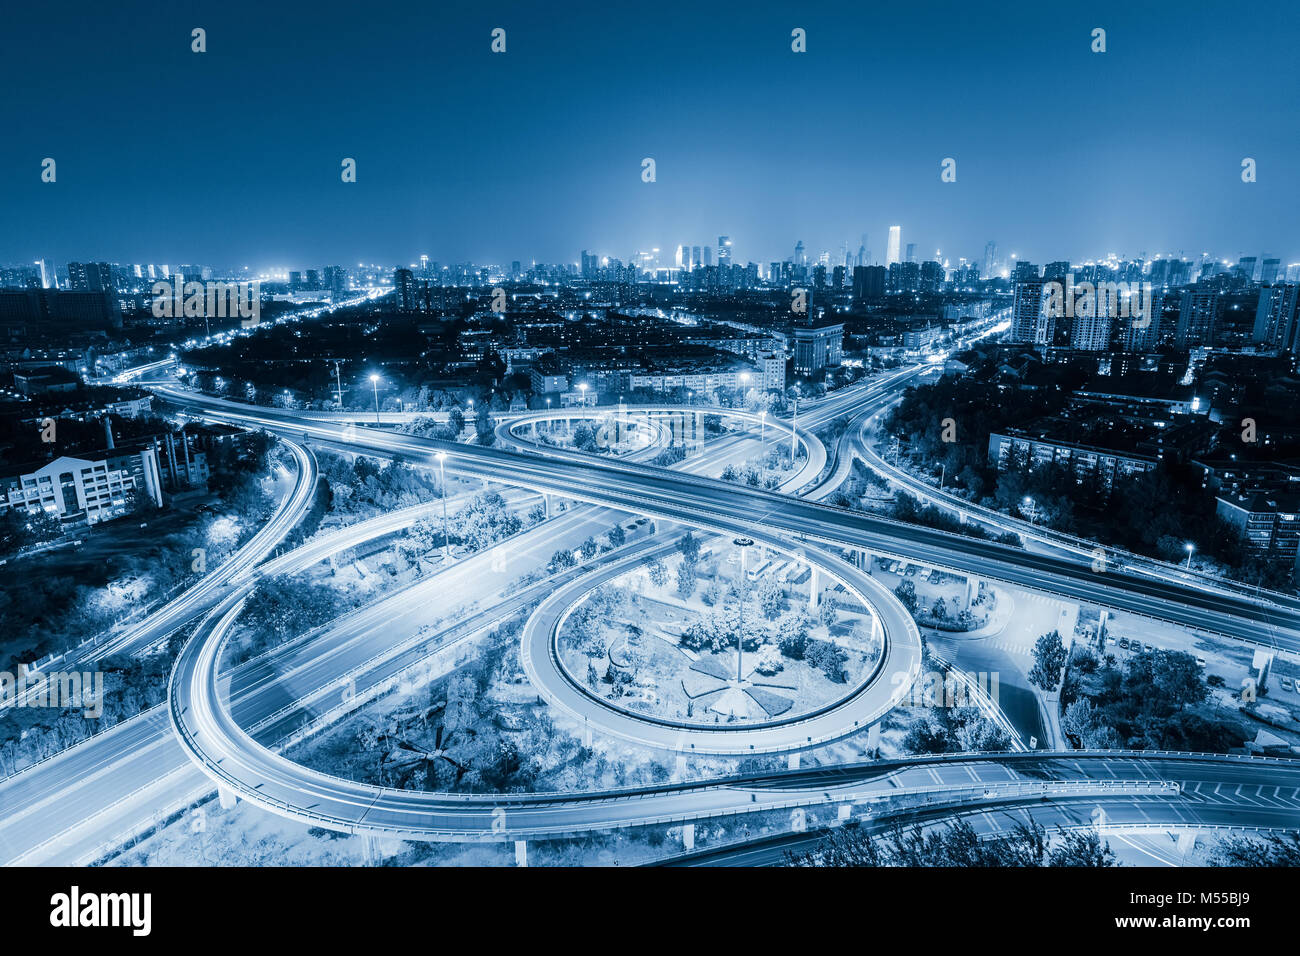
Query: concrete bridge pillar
(521, 853)
(972, 589)
(814, 588)
(369, 851)
(688, 836)
(844, 814)
(873, 738)
(586, 737)
(226, 797)
(1187, 842)
(792, 761)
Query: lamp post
(762, 441)
(442, 478)
(338, 381)
(1030, 507)
(794, 426)
(374, 384)
(1190, 548)
(744, 544)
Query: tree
(792, 633)
(1080, 719)
(771, 598)
(829, 658)
(686, 576)
(562, 559)
(1049, 661)
(589, 548)
(1276, 850)
(906, 592)
(769, 660)
(658, 573)
(1080, 848)
(617, 536)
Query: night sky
(232, 157)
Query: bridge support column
(688, 836)
(369, 850)
(546, 501)
(972, 589)
(814, 588)
(792, 761)
(521, 853)
(226, 797)
(679, 766)
(586, 737)
(844, 815)
(862, 561)
(873, 738)
(1187, 842)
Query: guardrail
(877, 463)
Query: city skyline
(749, 138)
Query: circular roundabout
(741, 712)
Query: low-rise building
(1083, 460)
(1269, 522)
(86, 489)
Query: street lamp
(794, 425)
(442, 478)
(744, 544)
(762, 440)
(374, 384)
(1190, 548)
(1030, 507)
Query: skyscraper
(911, 252)
(1090, 330)
(1196, 319)
(990, 257)
(404, 290)
(90, 277)
(1142, 334)
(1276, 316)
(1030, 322)
(724, 250)
(892, 249)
